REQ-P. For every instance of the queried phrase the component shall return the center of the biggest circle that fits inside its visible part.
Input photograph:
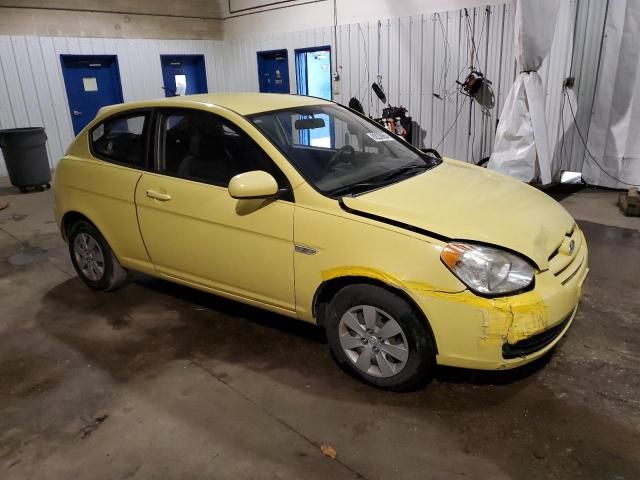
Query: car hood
(464, 202)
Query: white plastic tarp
(521, 146)
(614, 134)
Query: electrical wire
(444, 92)
(335, 35)
(471, 41)
(484, 22)
(446, 59)
(473, 136)
(563, 151)
(471, 44)
(365, 81)
(589, 152)
(453, 124)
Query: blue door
(273, 71)
(183, 74)
(91, 81)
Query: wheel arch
(330, 287)
(71, 217)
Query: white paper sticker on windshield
(379, 137)
(98, 133)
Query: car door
(192, 228)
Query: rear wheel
(379, 338)
(93, 259)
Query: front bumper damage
(502, 333)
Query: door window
(121, 139)
(203, 147)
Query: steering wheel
(335, 159)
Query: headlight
(487, 270)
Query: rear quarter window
(121, 139)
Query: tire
(400, 357)
(93, 259)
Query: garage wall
(413, 65)
(268, 16)
(419, 56)
(589, 29)
(170, 19)
(32, 89)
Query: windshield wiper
(380, 181)
(398, 172)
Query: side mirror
(255, 184)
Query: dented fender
(506, 319)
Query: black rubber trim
(536, 342)
(395, 223)
(160, 112)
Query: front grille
(564, 264)
(572, 274)
(535, 342)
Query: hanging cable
(443, 92)
(563, 151)
(336, 75)
(587, 148)
(453, 124)
(364, 85)
(475, 79)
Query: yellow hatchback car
(308, 209)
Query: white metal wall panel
(418, 58)
(32, 91)
(589, 26)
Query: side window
(121, 139)
(203, 147)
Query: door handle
(77, 113)
(163, 197)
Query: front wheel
(379, 338)
(93, 259)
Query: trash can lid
(22, 130)
(25, 137)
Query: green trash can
(25, 155)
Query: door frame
(201, 57)
(299, 51)
(116, 75)
(191, 279)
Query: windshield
(339, 152)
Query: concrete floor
(157, 381)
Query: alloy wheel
(89, 256)
(374, 341)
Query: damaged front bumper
(502, 333)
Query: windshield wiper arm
(354, 188)
(381, 181)
(403, 170)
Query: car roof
(242, 103)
